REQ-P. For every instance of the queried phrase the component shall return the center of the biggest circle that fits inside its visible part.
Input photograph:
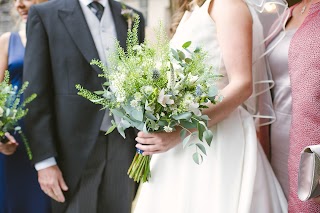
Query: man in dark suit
(78, 166)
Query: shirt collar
(87, 2)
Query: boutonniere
(129, 15)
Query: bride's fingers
(144, 135)
(148, 141)
(147, 148)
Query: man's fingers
(58, 195)
(63, 184)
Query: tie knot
(97, 9)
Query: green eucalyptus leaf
(162, 123)
(121, 131)
(124, 123)
(208, 136)
(182, 56)
(137, 114)
(205, 117)
(197, 158)
(183, 116)
(186, 140)
(183, 133)
(186, 45)
(118, 113)
(150, 116)
(201, 128)
(198, 49)
(99, 92)
(213, 91)
(188, 60)
(107, 83)
(202, 148)
(175, 54)
(111, 128)
(188, 125)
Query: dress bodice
(199, 28)
(15, 59)
(188, 30)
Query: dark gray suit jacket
(60, 123)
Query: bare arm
(234, 29)
(4, 44)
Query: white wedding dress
(235, 176)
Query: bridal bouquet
(12, 110)
(155, 88)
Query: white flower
(167, 129)
(1, 112)
(194, 107)
(134, 103)
(164, 99)
(147, 90)
(156, 127)
(138, 96)
(192, 78)
(188, 99)
(121, 98)
(138, 48)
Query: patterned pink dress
(304, 70)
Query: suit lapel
(120, 22)
(73, 18)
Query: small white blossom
(167, 129)
(156, 127)
(121, 98)
(147, 90)
(138, 96)
(134, 103)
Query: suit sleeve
(39, 122)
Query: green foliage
(12, 109)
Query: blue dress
(22, 192)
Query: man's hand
(52, 182)
(10, 147)
(153, 143)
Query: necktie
(97, 9)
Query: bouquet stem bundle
(139, 170)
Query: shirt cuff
(45, 163)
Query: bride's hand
(153, 143)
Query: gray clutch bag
(309, 173)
